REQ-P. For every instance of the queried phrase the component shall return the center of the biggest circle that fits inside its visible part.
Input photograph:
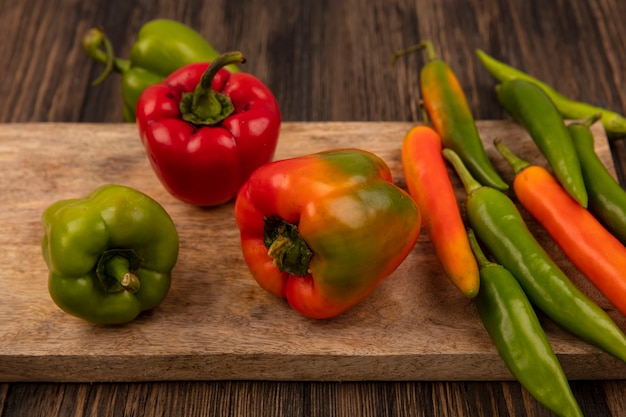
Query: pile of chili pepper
(454, 127)
(523, 275)
(599, 255)
(614, 123)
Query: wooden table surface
(325, 61)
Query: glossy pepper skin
(109, 254)
(535, 111)
(205, 130)
(429, 184)
(324, 230)
(513, 326)
(607, 198)
(451, 116)
(614, 123)
(599, 255)
(162, 47)
(498, 224)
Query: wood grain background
(326, 61)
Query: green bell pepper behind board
(109, 255)
(162, 47)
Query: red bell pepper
(324, 230)
(205, 130)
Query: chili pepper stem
(118, 268)
(590, 121)
(428, 45)
(517, 163)
(205, 106)
(480, 256)
(467, 179)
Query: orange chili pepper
(451, 116)
(430, 186)
(599, 255)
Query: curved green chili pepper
(614, 123)
(499, 225)
(451, 116)
(534, 110)
(607, 198)
(162, 47)
(514, 328)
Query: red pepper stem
(118, 267)
(227, 58)
(428, 45)
(517, 163)
(466, 177)
(205, 106)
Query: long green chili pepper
(614, 123)
(607, 198)
(499, 225)
(534, 110)
(514, 328)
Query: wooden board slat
(216, 322)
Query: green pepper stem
(480, 256)
(591, 120)
(92, 42)
(118, 268)
(205, 106)
(428, 45)
(470, 184)
(517, 163)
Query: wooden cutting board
(216, 322)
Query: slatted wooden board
(216, 322)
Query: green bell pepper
(162, 47)
(109, 254)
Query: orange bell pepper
(324, 230)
